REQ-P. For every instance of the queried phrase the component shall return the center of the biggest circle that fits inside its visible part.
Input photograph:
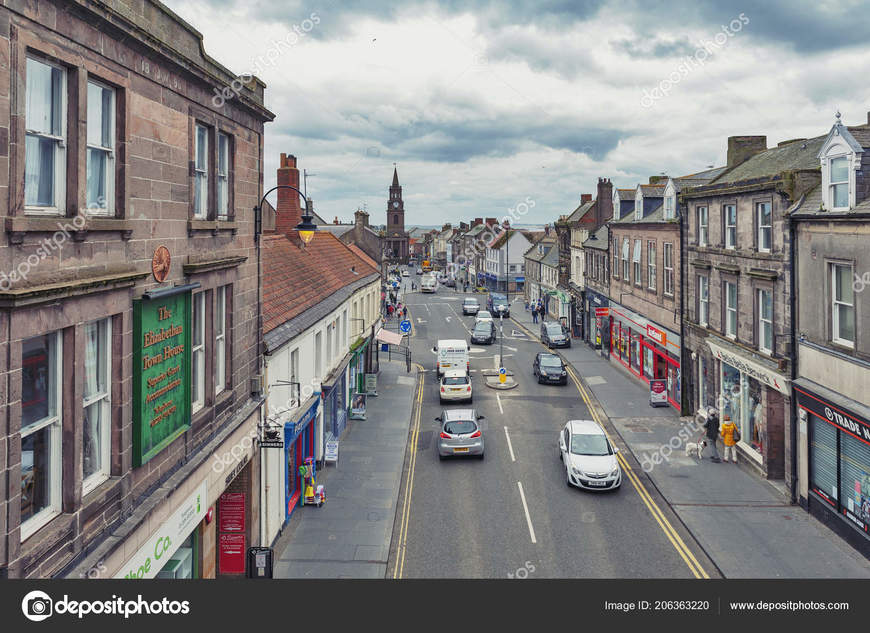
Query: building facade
(131, 312)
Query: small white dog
(696, 448)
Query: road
(512, 514)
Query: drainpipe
(793, 434)
(688, 383)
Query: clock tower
(396, 239)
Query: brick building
(738, 278)
(129, 351)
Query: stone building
(130, 347)
(831, 422)
(738, 313)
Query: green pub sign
(161, 373)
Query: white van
(451, 354)
(428, 284)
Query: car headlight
(615, 472)
(577, 472)
(564, 373)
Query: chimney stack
(585, 197)
(289, 211)
(477, 221)
(604, 206)
(491, 221)
(742, 148)
(361, 218)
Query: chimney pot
(586, 197)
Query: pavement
(745, 524)
(349, 536)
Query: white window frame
(109, 151)
(651, 264)
(41, 518)
(198, 351)
(220, 340)
(761, 228)
(765, 326)
(703, 226)
(730, 229)
(318, 355)
(104, 401)
(616, 205)
(635, 260)
(615, 258)
(832, 184)
(670, 206)
(703, 300)
(668, 262)
(836, 303)
(730, 311)
(200, 174)
(60, 143)
(625, 269)
(223, 176)
(638, 205)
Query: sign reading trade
(161, 373)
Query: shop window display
(635, 352)
(754, 429)
(823, 458)
(648, 362)
(730, 404)
(855, 477)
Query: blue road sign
(502, 370)
(405, 326)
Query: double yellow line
(672, 535)
(409, 483)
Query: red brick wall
(289, 205)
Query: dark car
(554, 335)
(484, 333)
(549, 368)
(450, 283)
(497, 304)
(470, 306)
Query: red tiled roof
(362, 254)
(294, 279)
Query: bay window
(101, 149)
(45, 138)
(40, 431)
(96, 434)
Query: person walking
(405, 312)
(711, 425)
(390, 311)
(535, 314)
(730, 437)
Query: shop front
(647, 350)
(299, 436)
(335, 398)
(597, 314)
(838, 458)
(755, 396)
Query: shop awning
(385, 336)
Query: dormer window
(670, 203)
(638, 206)
(616, 205)
(838, 189)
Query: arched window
(395, 219)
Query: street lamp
(306, 228)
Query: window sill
(93, 484)
(843, 346)
(215, 226)
(17, 227)
(38, 521)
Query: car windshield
(590, 444)
(551, 361)
(498, 298)
(470, 302)
(456, 380)
(482, 327)
(553, 328)
(483, 314)
(460, 427)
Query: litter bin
(260, 562)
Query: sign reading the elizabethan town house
(161, 373)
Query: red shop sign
(232, 512)
(602, 312)
(656, 334)
(232, 554)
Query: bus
(427, 266)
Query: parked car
(405, 273)
(484, 333)
(450, 282)
(589, 457)
(554, 335)
(455, 384)
(483, 315)
(460, 433)
(470, 306)
(549, 368)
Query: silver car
(589, 457)
(460, 433)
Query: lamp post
(306, 227)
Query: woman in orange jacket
(728, 432)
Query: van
(451, 354)
(428, 284)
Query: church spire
(395, 176)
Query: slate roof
(580, 211)
(652, 191)
(625, 194)
(532, 253)
(797, 155)
(809, 206)
(603, 239)
(301, 286)
(860, 133)
(656, 215)
(551, 259)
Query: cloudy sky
(482, 103)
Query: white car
(455, 384)
(483, 315)
(589, 457)
(405, 273)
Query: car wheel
(471, 400)
(568, 477)
(560, 455)
(440, 400)
(481, 455)
(569, 344)
(539, 380)
(441, 457)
